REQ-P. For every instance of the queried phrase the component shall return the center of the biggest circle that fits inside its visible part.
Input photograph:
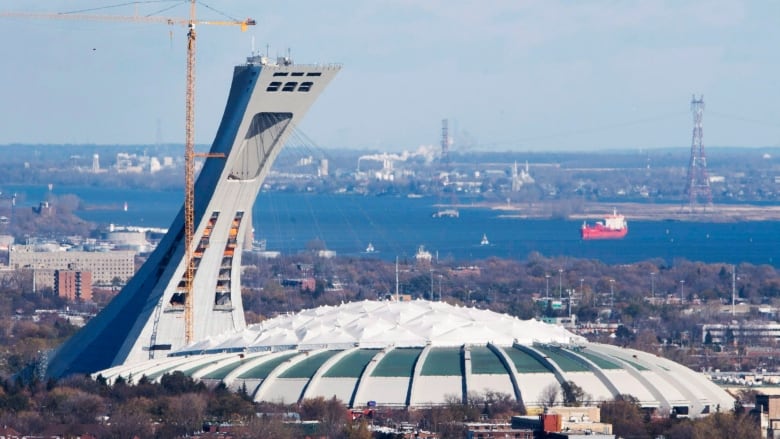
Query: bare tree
(573, 395)
(549, 395)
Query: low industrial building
(741, 333)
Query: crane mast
(189, 127)
(189, 177)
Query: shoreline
(721, 213)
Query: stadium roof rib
(424, 353)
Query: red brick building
(73, 285)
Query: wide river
(398, 226)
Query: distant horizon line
(472, 150)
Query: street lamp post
(560, 283)
(431, 295)
(733, 287)
(547, 286)
(652, 284)
(611, 294)
(734, 279)
(682, 291)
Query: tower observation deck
(146, 319)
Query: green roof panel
(352, 365)
(189, 372)
(485, 362)
(567, 363)
(443, 362)
(598, 360)
(636, 365)
(397, 363)
(223, 371)
(524, 362)
(309, 366)
(262, 370)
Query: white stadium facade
(419, 354)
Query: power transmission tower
(698, 183)
(446, 173)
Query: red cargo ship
(613, 227)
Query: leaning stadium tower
(147, 318)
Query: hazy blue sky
(509, 74)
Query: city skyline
(524, 76)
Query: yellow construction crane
(189, 135)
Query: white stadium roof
(420, 353)
(388, 323)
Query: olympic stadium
(182, 311)
(420, 354)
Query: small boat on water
(484, 240)
(613, 227)
(370, 248)
(446, 213)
